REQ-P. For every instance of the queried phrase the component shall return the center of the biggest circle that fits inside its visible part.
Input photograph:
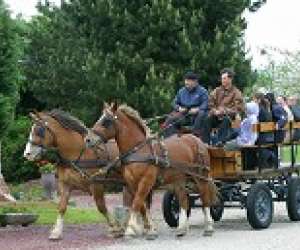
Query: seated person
(282, 101)
(279, 116)
(295, 108)
(225, 104)
(190, 106)
(246, 135)
(265, 157)
(264, 115)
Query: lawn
(286, 153)
(30, 199)
(47, 212)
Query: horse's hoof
(117, 234)
(54, 237)
(151, 235)
(181, 232)
(208, 233)
(130, 233)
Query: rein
(77, 164)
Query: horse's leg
(182, 197)
(206, 190)
(57, 230)
(97, 191)
(134, 226)
(149, 225)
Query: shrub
(15, 167)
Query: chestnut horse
(59, 130)
(185, 158)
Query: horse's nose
(27, 154)
(88, 141)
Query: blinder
(41, 131)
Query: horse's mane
(68, 121)
(135, 116)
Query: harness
(152, 158)
(78, 165)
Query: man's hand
(193, 111)
(220, 111)
(182, 109)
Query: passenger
(279, 116)
(247, 136)
(282, 101)
(265, 115)
(268, 156)
(225, 105)
(189, 106)
(292, 102)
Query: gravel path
(232, 233)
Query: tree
(89, 51)
(10, 51)
(281, 73)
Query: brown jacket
(228, 101)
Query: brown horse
(184, 157)
(59, 130)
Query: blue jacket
(197, 97)
(279, 115)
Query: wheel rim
(297, 199)
(175, 207)
(263, 206)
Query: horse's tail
(213, 193)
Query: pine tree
(89, 51)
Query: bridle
(41, 133)
(105, 121)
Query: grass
(48, 212)
(30, 196)
(286, 154)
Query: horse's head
(105, 128)
(40, 137)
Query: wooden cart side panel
(225, 163)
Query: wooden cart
(246, 181)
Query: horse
(63, 132)
(147, 163)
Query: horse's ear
(37, 114)
(105, 105)
(114, 106)
(34, 117)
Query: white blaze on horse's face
(32, 152)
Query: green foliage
(47, 168)
(281, 73)
(134, 51)
(28, 191)
(14, 166)
(8, 209)
(10, 76)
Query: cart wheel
(170, 207)
(216, 212)
(293, 199)
(259, 206)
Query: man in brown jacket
(225, 105)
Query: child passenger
(246, 135)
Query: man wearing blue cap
(189, 106)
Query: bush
(15, 167)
